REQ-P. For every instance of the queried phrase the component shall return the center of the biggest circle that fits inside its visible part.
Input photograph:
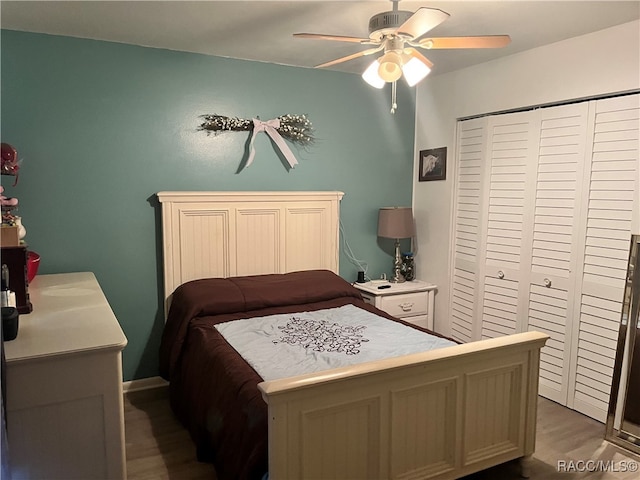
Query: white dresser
(65, 416)
(412, 301)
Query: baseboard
(143, 384)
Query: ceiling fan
(398, 34)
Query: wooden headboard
(226, 234)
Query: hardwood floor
(158, 447)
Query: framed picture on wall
(433, 164)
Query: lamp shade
(390, 68)
(395, 222)
(371, 76)
(415, 67)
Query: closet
(545, 201)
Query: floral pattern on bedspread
(321, 340)
(323, 336)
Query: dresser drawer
(406, 305)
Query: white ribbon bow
(269, 127)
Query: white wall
(599, 63)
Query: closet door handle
(547, 283)
(500, 274)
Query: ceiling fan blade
(338, 38)
(488, 41)
(422, 21)
(351, 57)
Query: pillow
(295, 288)
(213, 296)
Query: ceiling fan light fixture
(415, 70)
(371, 75)
(390, 68)
(392, 32)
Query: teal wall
(101, 127)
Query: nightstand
(411, 301)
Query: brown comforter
(213, 390)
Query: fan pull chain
(394, 105)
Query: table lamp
(396, 223)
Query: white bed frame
(440, 414)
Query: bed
(443, 413)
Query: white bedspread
(279, 346)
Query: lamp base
(397, 265)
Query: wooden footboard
(439, 414)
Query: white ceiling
(262, 30)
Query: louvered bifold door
(464, 282)
(508, 185)
(560, 165)
(610, 203)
